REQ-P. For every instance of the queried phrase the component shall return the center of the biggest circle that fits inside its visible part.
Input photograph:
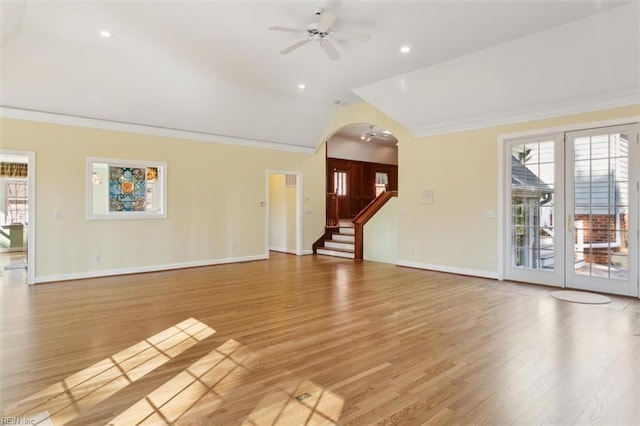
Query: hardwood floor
(355, 342)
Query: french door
(572, 209)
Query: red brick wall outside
(602, 229)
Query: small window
(340, 183)
(126, 189)
(382, 180)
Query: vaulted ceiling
(213, 68)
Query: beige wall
(380, 242)
(215, 190)
(214, 195)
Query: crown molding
(117, 126)
(549, 111)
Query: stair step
(347, 230)
(349, 238)
(333, 244)
(336, 252)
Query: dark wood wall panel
(361, 177)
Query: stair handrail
(364, 216)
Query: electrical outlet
(97, 258)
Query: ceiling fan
(368, 136)
(320, 32)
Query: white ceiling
(213, 67)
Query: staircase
(345, 239)
(339, 241)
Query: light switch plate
(427, 196)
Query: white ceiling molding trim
(68, 120)
(550, 111)
(570, 128)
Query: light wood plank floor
(356, 343)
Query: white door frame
(503, 218)
(298, 175)
(31, 205)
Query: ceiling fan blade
(325, 21)
(288, 30)
(294, 46)
(351, 36)
(329, 49)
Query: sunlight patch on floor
(65, 400)
(193, 389)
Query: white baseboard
(448, 269)
(290, 251)
(282, 250)
(141, 269)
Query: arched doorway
(362, 162)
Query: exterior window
(17, 202)
(340, 183)
(382, 180)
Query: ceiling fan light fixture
(320, 32)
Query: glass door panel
(532, 208)
(602, 213)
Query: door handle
(569, 222)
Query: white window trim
(162, 179)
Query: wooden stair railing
(364, 216)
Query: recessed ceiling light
(301, 86)
(106, 34)
(405, 49)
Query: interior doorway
(284, 212)
(17, 216)
(361, 163)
